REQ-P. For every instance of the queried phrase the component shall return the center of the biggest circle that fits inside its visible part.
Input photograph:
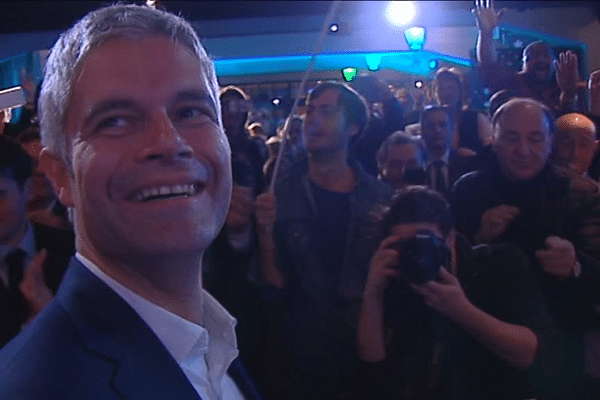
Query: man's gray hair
(73, 47)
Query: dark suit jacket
(458, 165)
(60, 244)
(89, 343)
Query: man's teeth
(162, 191)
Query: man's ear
(58, 174)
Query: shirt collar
(182, 338)
(428, 161)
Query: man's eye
(112, 122)
(537, 139)
(193, 114)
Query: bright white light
(400, 12)
(334, 28)
(276, 101)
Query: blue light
(433, 64)
(415, 37)
(373, 61)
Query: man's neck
(332, 172)
(174, 283)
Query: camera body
(422, 256)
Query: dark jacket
(90, 344)
(320, 321)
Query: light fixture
(400, 12)
(349, 73)
(415, 37)
(373, 61)
(334, 27)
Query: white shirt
(203, 353)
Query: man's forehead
(538, 49)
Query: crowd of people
(155, 242)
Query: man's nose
(523, 147)
(163, 140)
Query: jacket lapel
(111, 329)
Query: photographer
(477, 327)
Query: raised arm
(371, 341)
(515, 344)
(487, 20)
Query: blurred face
(295, 134)
(436, 131)
(235, 112)
(400, 158)
(325, 127)
(151, 173)
(522, 141)
(538, 62)
(13, 215)
(448, 92)
(575, 143)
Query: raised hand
(241, 208)
(494, 222)
(33, 287)
(445, 295)
(265, 211)
(567, 72)
(486, 17)
(382, 268)
(558, 258)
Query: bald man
(574, 144)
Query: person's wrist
(373, 293)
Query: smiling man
(134, 146)
(551, 213)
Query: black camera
(422, 256)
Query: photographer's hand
(445, 295)
(558, 258)
(382, 266)
(515, 344)
(370, 332)
(494, 222)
